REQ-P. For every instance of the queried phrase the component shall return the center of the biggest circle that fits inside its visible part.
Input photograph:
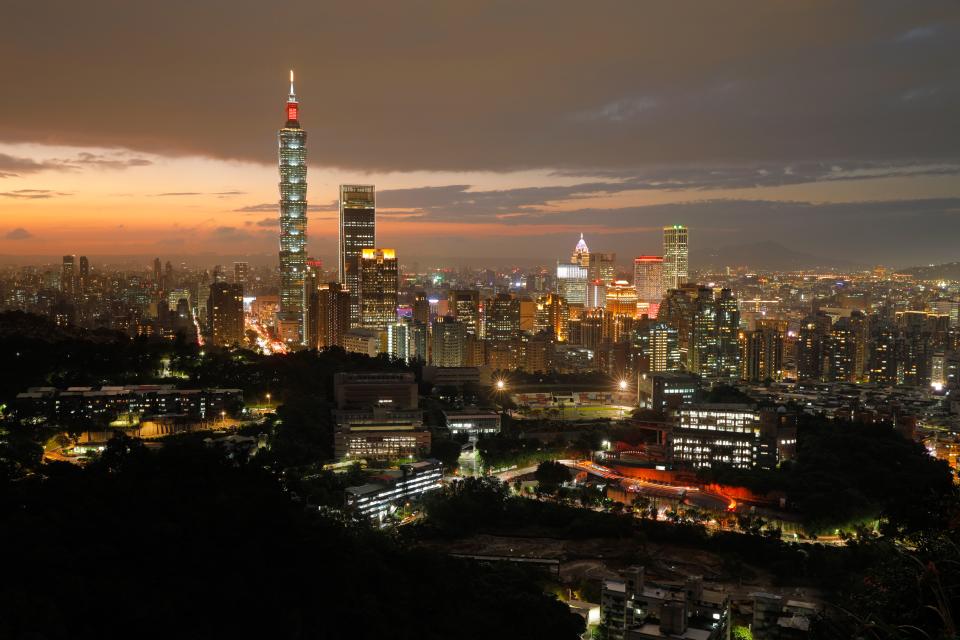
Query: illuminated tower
(358, 231)
(675, 257)
(293, 223)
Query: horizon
(475, 155)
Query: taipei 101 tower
(293, 223)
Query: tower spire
(293, 94)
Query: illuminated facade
(675, 257)
(225, 313)
(358, 231)
(717, 434)
(378, 288)
(648, 278)
(293, 222)
(572, 282)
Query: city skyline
(615, 140)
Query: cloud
(18, 234)
(462, 203)
(14, 166)
(268, 222)
(809, 80)
(100, 161)
(32, 194)
(264, 207)
(179, 193)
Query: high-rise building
(602, 267)
(292, 141)
(421, 308)
(68, 276)
(503, 332)
(761, 356)
(572, 282)
(581, 254)
(241, 273)
(707, 324)
(464, 304)
(225, 313)
(675, 257)
(553, 316)
(449, 343)
(333, 315)
(398, 341)
(358, 231)
(621, 299)
(83, 277)
(378, 285)
(648, 278)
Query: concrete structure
(711, 434)
(381, 497)
(396, 390)
(472, 422)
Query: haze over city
(494, 130)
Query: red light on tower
(292, 111)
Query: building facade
(293, 222)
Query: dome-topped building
(581, 254)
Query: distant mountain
(948, 271)
(771, 256)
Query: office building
(293, 222)
(358, 231)
(667, 391)
(572, 282)
(449, 343)
(621, 299)
(225, 314)
(68, 276)
(83, 276)
(648, 278)
(581, 254)
(552, 314)
(464, 305)
(602, 267)
(421, 308)
(378, 287)
(241, 273)
(717, 434)
(472, 422)
(675, 257)
(503, 332)
(391, 489)
(396, 390)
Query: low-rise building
(635, 608)
(472, 422)
(381, 497)
(717, 433)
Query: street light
(268, 399)
(501, 385)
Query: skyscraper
(581, 253)
(378, 288)
(293, 222)
(358, 231)
(241, 273)
(675, 257)
(83, 278)
(68, 276)
(225, 311)
(648, 278)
